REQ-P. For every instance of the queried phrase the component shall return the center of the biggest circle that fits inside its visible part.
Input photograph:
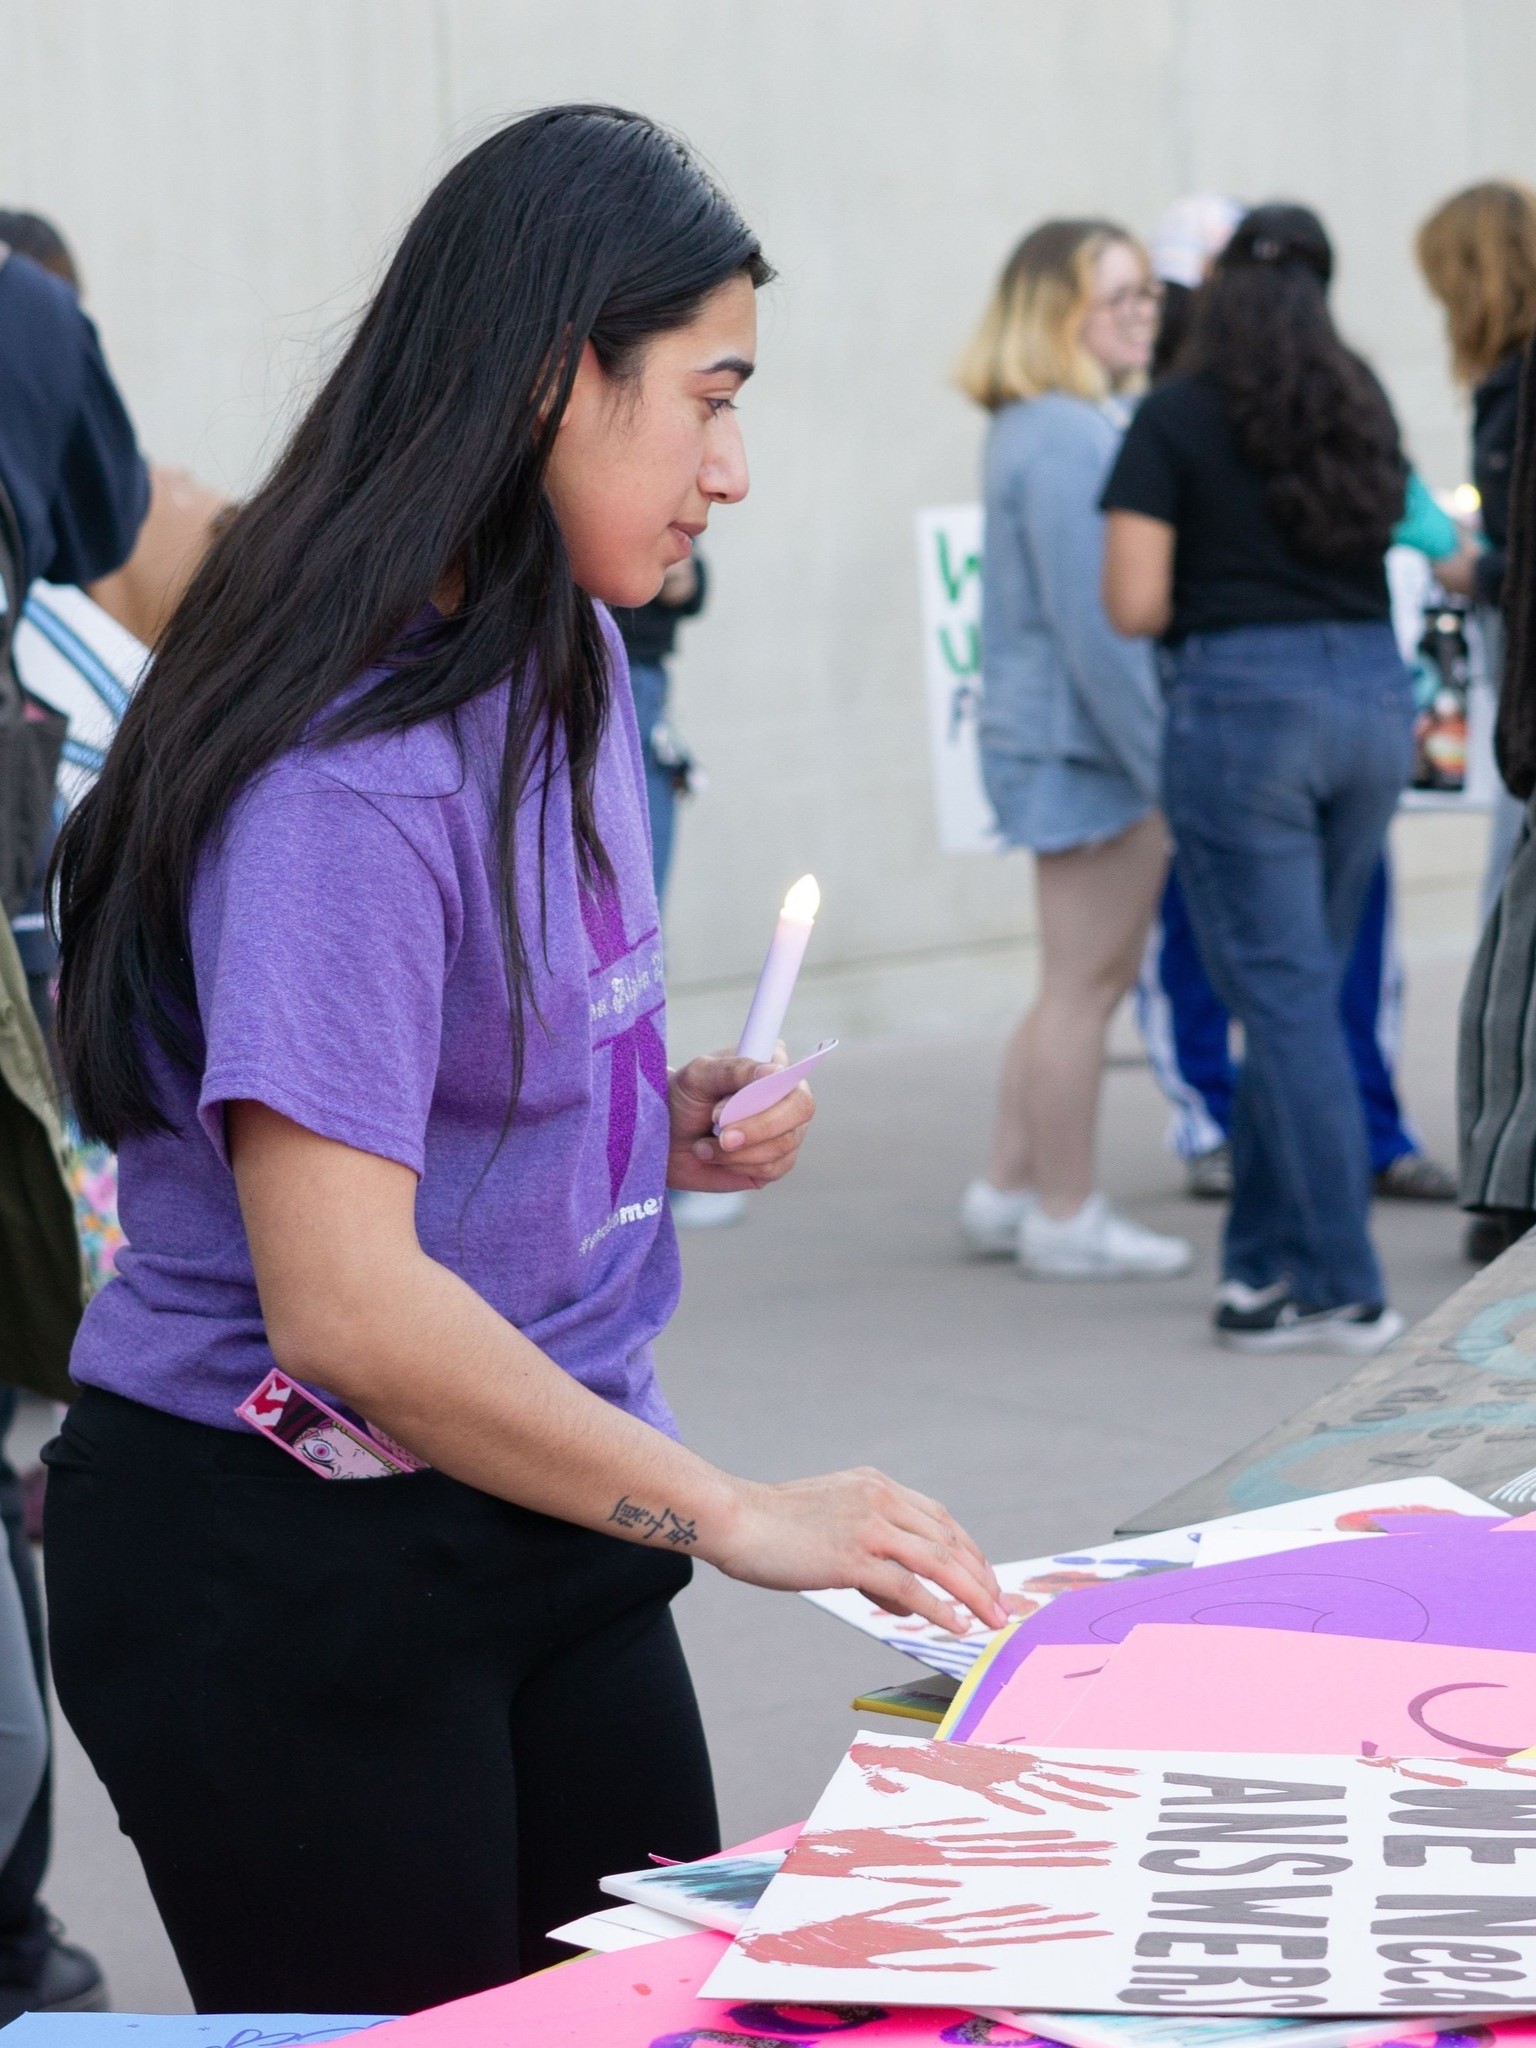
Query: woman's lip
(683, 537)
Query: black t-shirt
(1495, 415)
(649, 631)
(1232, 566)
(68, 458)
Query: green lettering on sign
(955, 582)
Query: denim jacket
(1058, 682)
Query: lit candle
(776, 983)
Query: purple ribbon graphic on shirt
(636, 1045)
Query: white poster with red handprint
(1165, 1885)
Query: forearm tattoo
(647, 1523)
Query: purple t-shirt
(349, 966)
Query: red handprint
(1002, 1779)
(952, 1844)
(859, 1941)
(1038, 1592)
(1403, 1769)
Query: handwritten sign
(185, 2029)
(949, 591)
(1138, 1881)
(1456, 1396)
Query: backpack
(31, 739)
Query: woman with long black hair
(1249, 512)
(362, 975)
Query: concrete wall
(232, 170)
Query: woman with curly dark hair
(1249, 514)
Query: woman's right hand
(862, 1530)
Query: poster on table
(1032, 1583)
(1133, 1881)
(949, 594)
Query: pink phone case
(310, 1430)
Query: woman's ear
(589, 383)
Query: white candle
(776, 983)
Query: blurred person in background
(1496, 1070)
(1477, 252)
(1478, 255)
(1069, 733)
(1250, 511)
(182, 515)
(1184, 1024)
(171, 533)
(78, 489)
(649, 633)
(1190, 236)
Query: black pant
(23, 1921)
(371, 1738)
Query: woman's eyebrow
(736, 364)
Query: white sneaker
(1096, 1244)
(694, 1210)
(990, 1218)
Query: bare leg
(1096, 907)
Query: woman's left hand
(745, 1155)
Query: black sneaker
(1269, 1319)
(69, 1980)
(1485, 1239)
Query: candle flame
(803, 900)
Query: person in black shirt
(649, 633)
(1233, 564)
(1250, 510)
(1184, 1026)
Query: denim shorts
(1052, 806)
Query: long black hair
(422, 458)
(1305, 410)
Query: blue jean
(648, 684)
(1188, 1032)
(1285, 751)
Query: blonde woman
(1070, 732)
(1478, 254)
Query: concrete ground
(841, 1325)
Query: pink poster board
(649, 1998)
(1047, 1687)
(1443, 1587)
(1178, 1686)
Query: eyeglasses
(1131, 298)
